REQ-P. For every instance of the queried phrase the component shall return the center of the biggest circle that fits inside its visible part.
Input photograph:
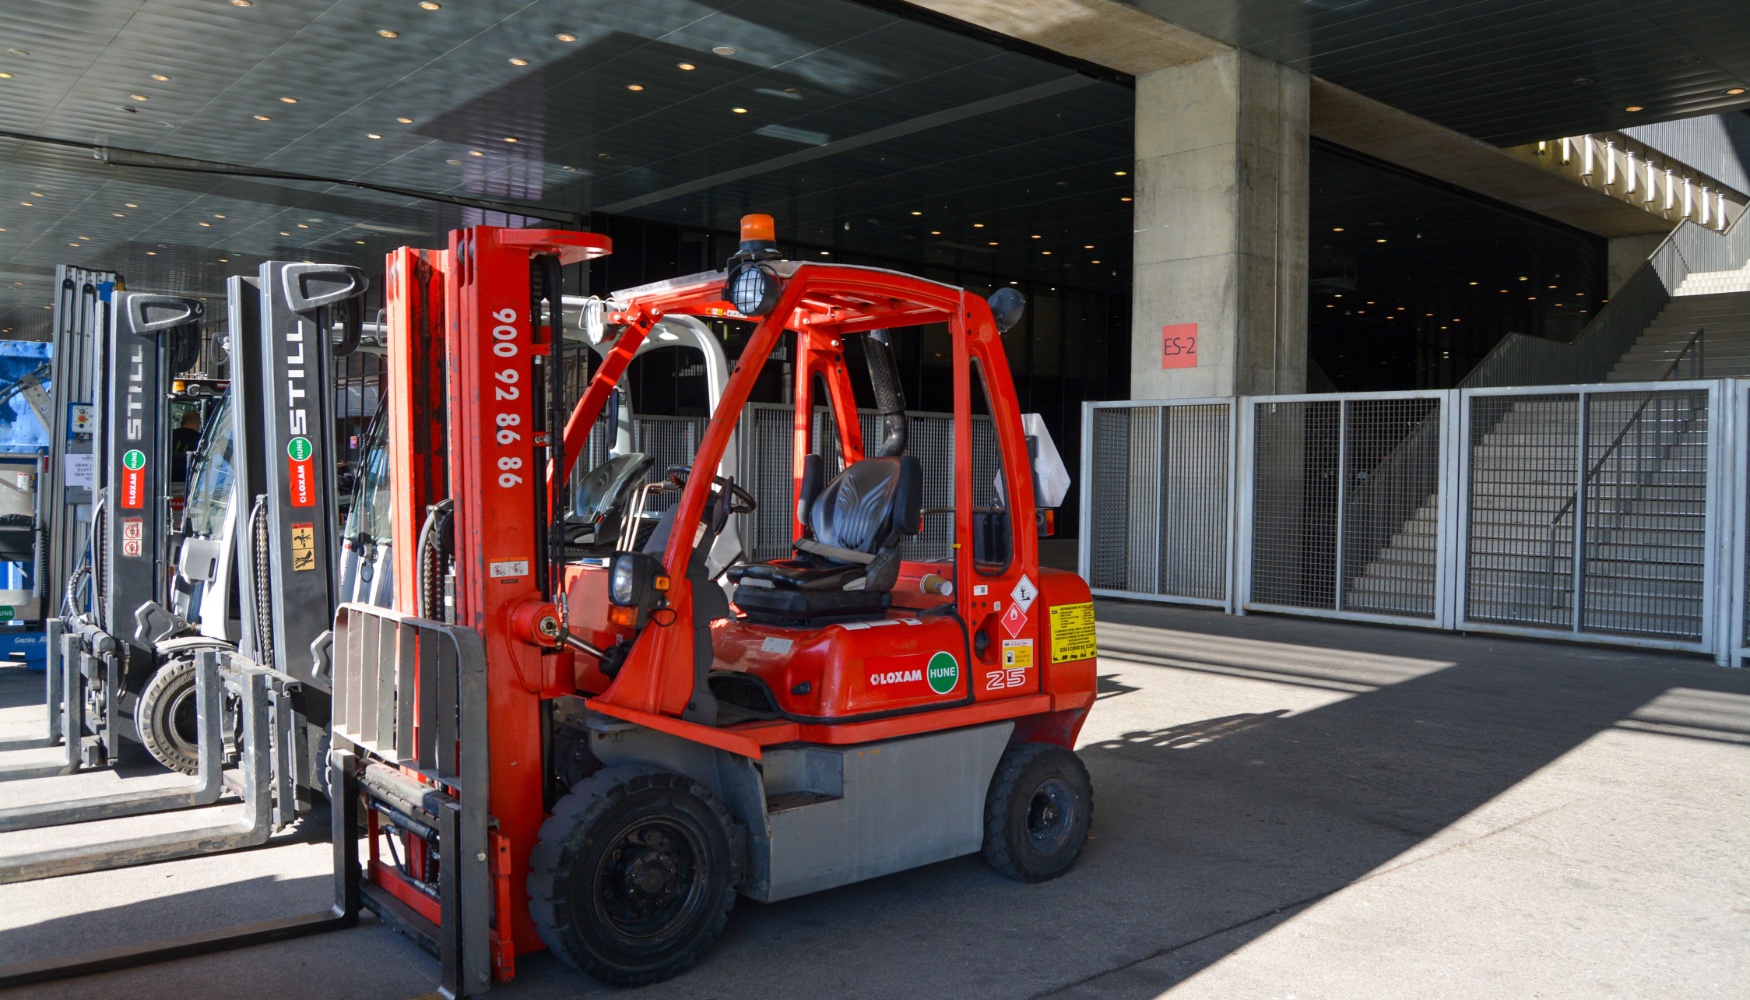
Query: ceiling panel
(1504, 71)
(851, 115)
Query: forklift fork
(267, 763)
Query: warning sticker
(1072, 632)
(303, 547)
(1024, 593)
(1018, 653)
(1014, 619)
(133, 537)
(508, 567)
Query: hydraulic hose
(433, 558)
(889, 396)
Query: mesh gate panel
(1645, 536)
(1294, 503)
(1107, 514)
(1391, 505)
(1519, 557)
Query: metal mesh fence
(1632, 502)
(1295, 496)
(1160, 505)
(1522, 471)
(1391, 503)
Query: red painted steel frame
(823, 303)
(413, 296)
(493, 477)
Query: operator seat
(848, 558)
(601, 500)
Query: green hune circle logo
(943, 673)
(299, 449)
(134, 460)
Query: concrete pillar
(1221, 227)
(1625, 256)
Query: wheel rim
(183, 718)
(1052, 813)
(648, 883)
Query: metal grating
(1295, 499)
(1522, 470)
(1164, 533)
(1391, 503)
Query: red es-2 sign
(1179, 345)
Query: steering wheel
(740, 500)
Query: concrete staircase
(1724, 319)
(1645, 526)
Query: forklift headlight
(752, 287)
(636, 580)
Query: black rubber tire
(616, 828)
(168, 717)
(1038, 812)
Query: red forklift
(570, 734)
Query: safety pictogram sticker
(1024, 593)
(1014, 619)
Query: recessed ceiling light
(151, 253)
(1735, 91)
(1037, 236)
(569, 167)
(288, 100)
(1124, 199)
(454, 163)
(372, 135)
(935, 232)
(28, 204)
(1379, 241)
(724, 50)
(359, 242)
(18, 52)
(1522, 277)
(739, 111)
(826, 253)
(475, 152)
(387, 33)
(405, 121)
(218, 216)
(1093, 262)
(634, 86)
(1087, 246)
(1336, 229)
(130, 205)
(224, 260)
(73, 244)
(566, 36)
(510, 138)
(204, 225)
(242, 3)
(978, 225)
(284, 233)
(302, 226)
(687, 66)
(917, 213)
(1045, 253)
(519, 62)
(5, 76)
(160, 77)
(1633, 108)
(263, 118)
(138, 97)
(993, 243)
(1120, 173)
(430, 5)
(119, 215)
(84, 237)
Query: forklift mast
(153, 338)
(284, 456)
(63, 505)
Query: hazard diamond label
(1024, 593)
(1014, 619)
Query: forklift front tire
(1037, 815)
(168, 719)
(632, 878)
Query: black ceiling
(859, 130)
(1504, 71)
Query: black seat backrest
(604, 486)
(867, 507)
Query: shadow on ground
(1207, 833)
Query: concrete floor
(1286, 808)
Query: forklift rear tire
(632, 878)
(1037, 815)
(168, 717)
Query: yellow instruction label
(1072, 632)
(303, 547)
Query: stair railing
(1696, 343)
